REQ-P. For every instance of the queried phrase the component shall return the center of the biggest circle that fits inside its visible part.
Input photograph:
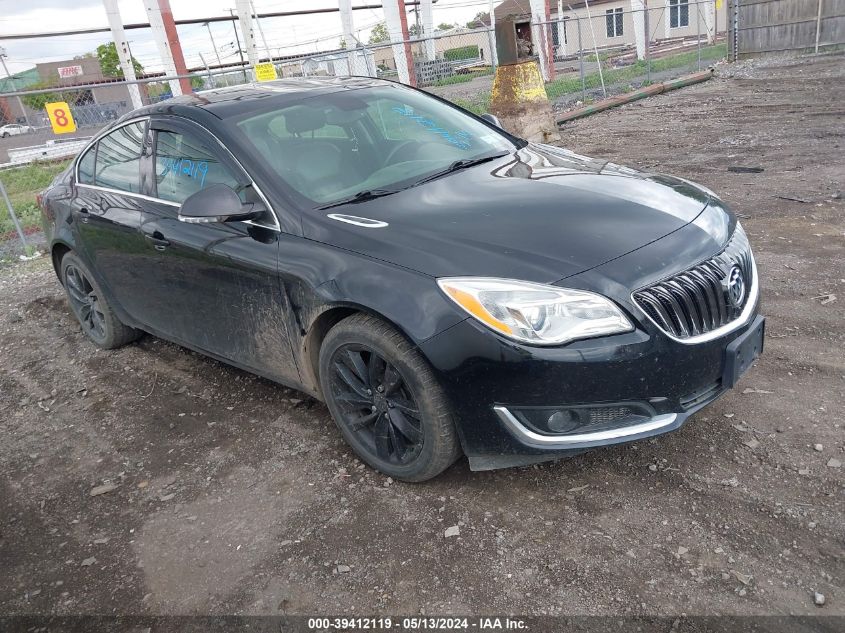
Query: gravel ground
(151, 480)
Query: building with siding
(611, 23)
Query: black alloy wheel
(85, 303)
(386, 400)
(90, 307)
(376, 404)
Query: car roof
(235, 100)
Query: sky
(285, 36)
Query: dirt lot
(233, 495)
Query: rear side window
(119, 158)
(183, 166)
(86, 166)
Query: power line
(146, 25)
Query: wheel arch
(320, 326)
(57, 253)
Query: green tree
(415, 30)
(36, 101)
(379, 33)
(110, 62)
(482, 18)
(443, 26)
(342, 43)
(197, 82)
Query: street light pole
(3, 57)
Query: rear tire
(97, 318)
(386, 401)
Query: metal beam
(122, 46)
(146, 25)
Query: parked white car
(13, 129)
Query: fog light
(582, 418)
(563, 421)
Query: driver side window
(183, 166)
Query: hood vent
(357, 221)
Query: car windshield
(376, 140)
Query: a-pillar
(540, 18)
(167, 40)
(122, 46)
(397, 30)
(638, 9)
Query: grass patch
(477, 105)
(571, 85)
(462, 78)
(454, 79)
(462, 52)
(22, 183)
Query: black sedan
(445, 287)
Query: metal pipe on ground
(642, 93)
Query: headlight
(535, 313)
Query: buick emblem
(736, 286)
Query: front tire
(385, 400)
(98, 320)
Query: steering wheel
(405, 146)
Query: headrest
(336, 116)
(300, 119)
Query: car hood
(540, 214)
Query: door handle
(158, 240)
(83, 214)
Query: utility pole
(261, 31)
(123, 53)
(409, 58)
(167, 40)
(3, 61)
(238, 42)
(208, 71)
(213, 45)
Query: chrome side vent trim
(357, 221)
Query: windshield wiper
(461, 164)
(361, 196)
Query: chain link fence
(586, 54)
(604, 52)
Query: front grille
(696, 301)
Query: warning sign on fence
(60, 117)
(265, 72)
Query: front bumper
(576, 441)
(490, 380)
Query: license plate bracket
(743, 351)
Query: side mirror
(492, 118)
(217, 203)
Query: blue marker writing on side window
(186, 167)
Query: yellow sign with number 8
(61, 117)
